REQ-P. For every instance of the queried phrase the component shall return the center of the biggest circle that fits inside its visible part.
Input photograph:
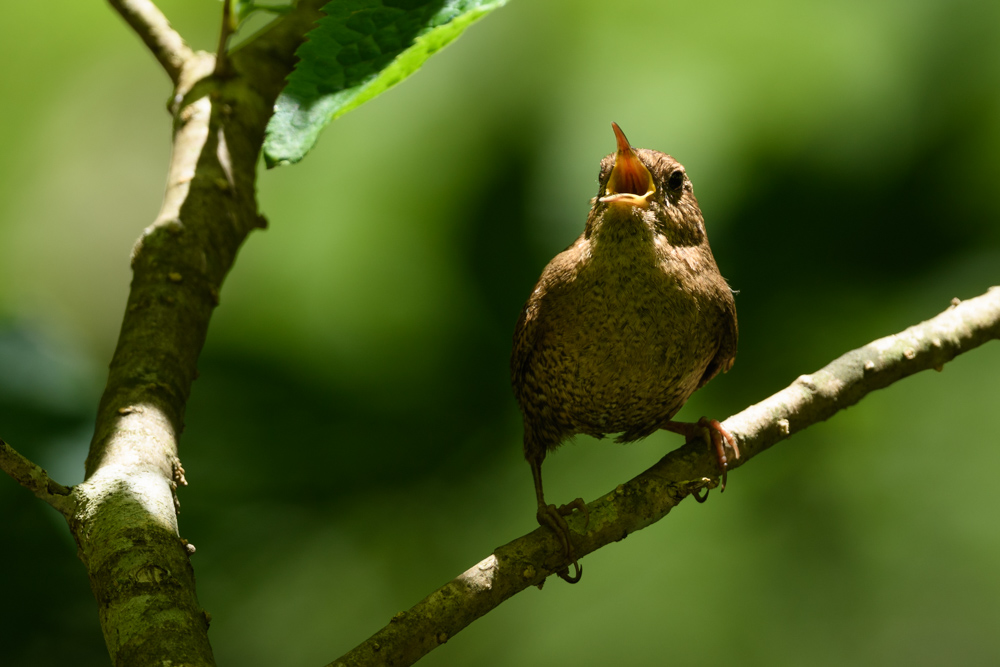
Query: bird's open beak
(630, 181)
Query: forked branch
(528, 560)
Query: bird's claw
(700, 489)
(714, 434)
(578, 504)
(719, 437)
(553, 518)
(697, 494)
(564, 573)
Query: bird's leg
(553, 518)
(715, 434)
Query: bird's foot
(716, 436)
(554, 518)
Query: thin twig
(34, 478)
(154, 29)
(223, 66)
(528, 560)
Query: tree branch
(154, 29)
(647, 498)
(34, 478)
(124, 519)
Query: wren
(625, 324)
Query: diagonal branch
(155, 30)
(647, 498)
(34, 478)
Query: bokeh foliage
(352, 442)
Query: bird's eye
(676, 180)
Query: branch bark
(123, 516)
(34, 478)
(647, 498)
(154, 29)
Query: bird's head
(645, 191)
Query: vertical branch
(125, 512)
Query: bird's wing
(530, 330)
(728, 338)
(525, 338)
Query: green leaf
(242, 9)
(358, 50)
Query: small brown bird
(625, 324)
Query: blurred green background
(352, 443)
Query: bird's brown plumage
(625, 324)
